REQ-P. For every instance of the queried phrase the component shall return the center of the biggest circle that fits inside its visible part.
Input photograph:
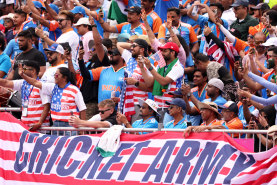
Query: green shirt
(244, 25)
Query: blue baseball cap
(178, 102)
(39, 5)
(79, 9)
(56, 48)
(237, 3)
(55, 8)
(178, 92)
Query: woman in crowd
(66, 98)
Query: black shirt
(34, 55)
(89, 89)
(111, 118)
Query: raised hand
(143, 15)
(168, 24)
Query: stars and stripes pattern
(158, 58)
(262, 171)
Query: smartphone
(252, 51)
(206, 24)
(38, 23)
(188, 123)
(81, 44)
(101, 11)
(240, 63)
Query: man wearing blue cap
(78, 12)
(55, 58)
(176, 107)
(244, 20)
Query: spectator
(185, 30)
(132, 27)
(162, 6)
(152, 17)
(136, 81)
(176, 107)
(35, 105)
(210, 116)
(148, 112)
(55, 58)
(5, 63)
(244, 20)
(84, 30)
(105, 118)
(66, 98)
(8, 22)
(18, 19)
(215, 13)
(28, 53)
(230, 116)
(165, 79)
(65, 20)
(79, 12)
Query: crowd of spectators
(190, 64)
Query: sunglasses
(103, 111)
(134, 45)
(61, 20)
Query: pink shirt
(86, 38)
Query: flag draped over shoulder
(156, 158)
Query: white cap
(82, 21)
(270, 42)
(150, 103)
(217, 83)
(9, 16)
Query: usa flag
(159, 59)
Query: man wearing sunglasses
(244, 20)
(55, 58)
(35, 105)
(65, 20)
(105, 118)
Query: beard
(114, 62)
(24, 47)
(134, 55)
(52, 61)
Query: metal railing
(238, 134)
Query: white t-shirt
(49, 74)
(72, 38)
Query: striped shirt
(36, 102)
(64, 100)
(176, 74)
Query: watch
(150, 68)
(137, 84)
(94, 25)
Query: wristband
(150, 68)
(94, 25)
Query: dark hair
(69, 15)
(201, 57)
(25, 33)
(270, 112)
(203, 72)
(274, 49)
(174, 9)
(272, 17)
(21, 13)
(33, 64)
(107, 42)
(184, 44)
(32, 31)
(218, 5)
(2, 43)
(68, 74)
(143, 44)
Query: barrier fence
(236, 134)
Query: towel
(109, 142)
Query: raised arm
(30, 80)
(269, 85)
(149, 31)
(189, 13)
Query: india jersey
(109, 81)
(154, 21)
(126, 28)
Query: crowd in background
(190, 64)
